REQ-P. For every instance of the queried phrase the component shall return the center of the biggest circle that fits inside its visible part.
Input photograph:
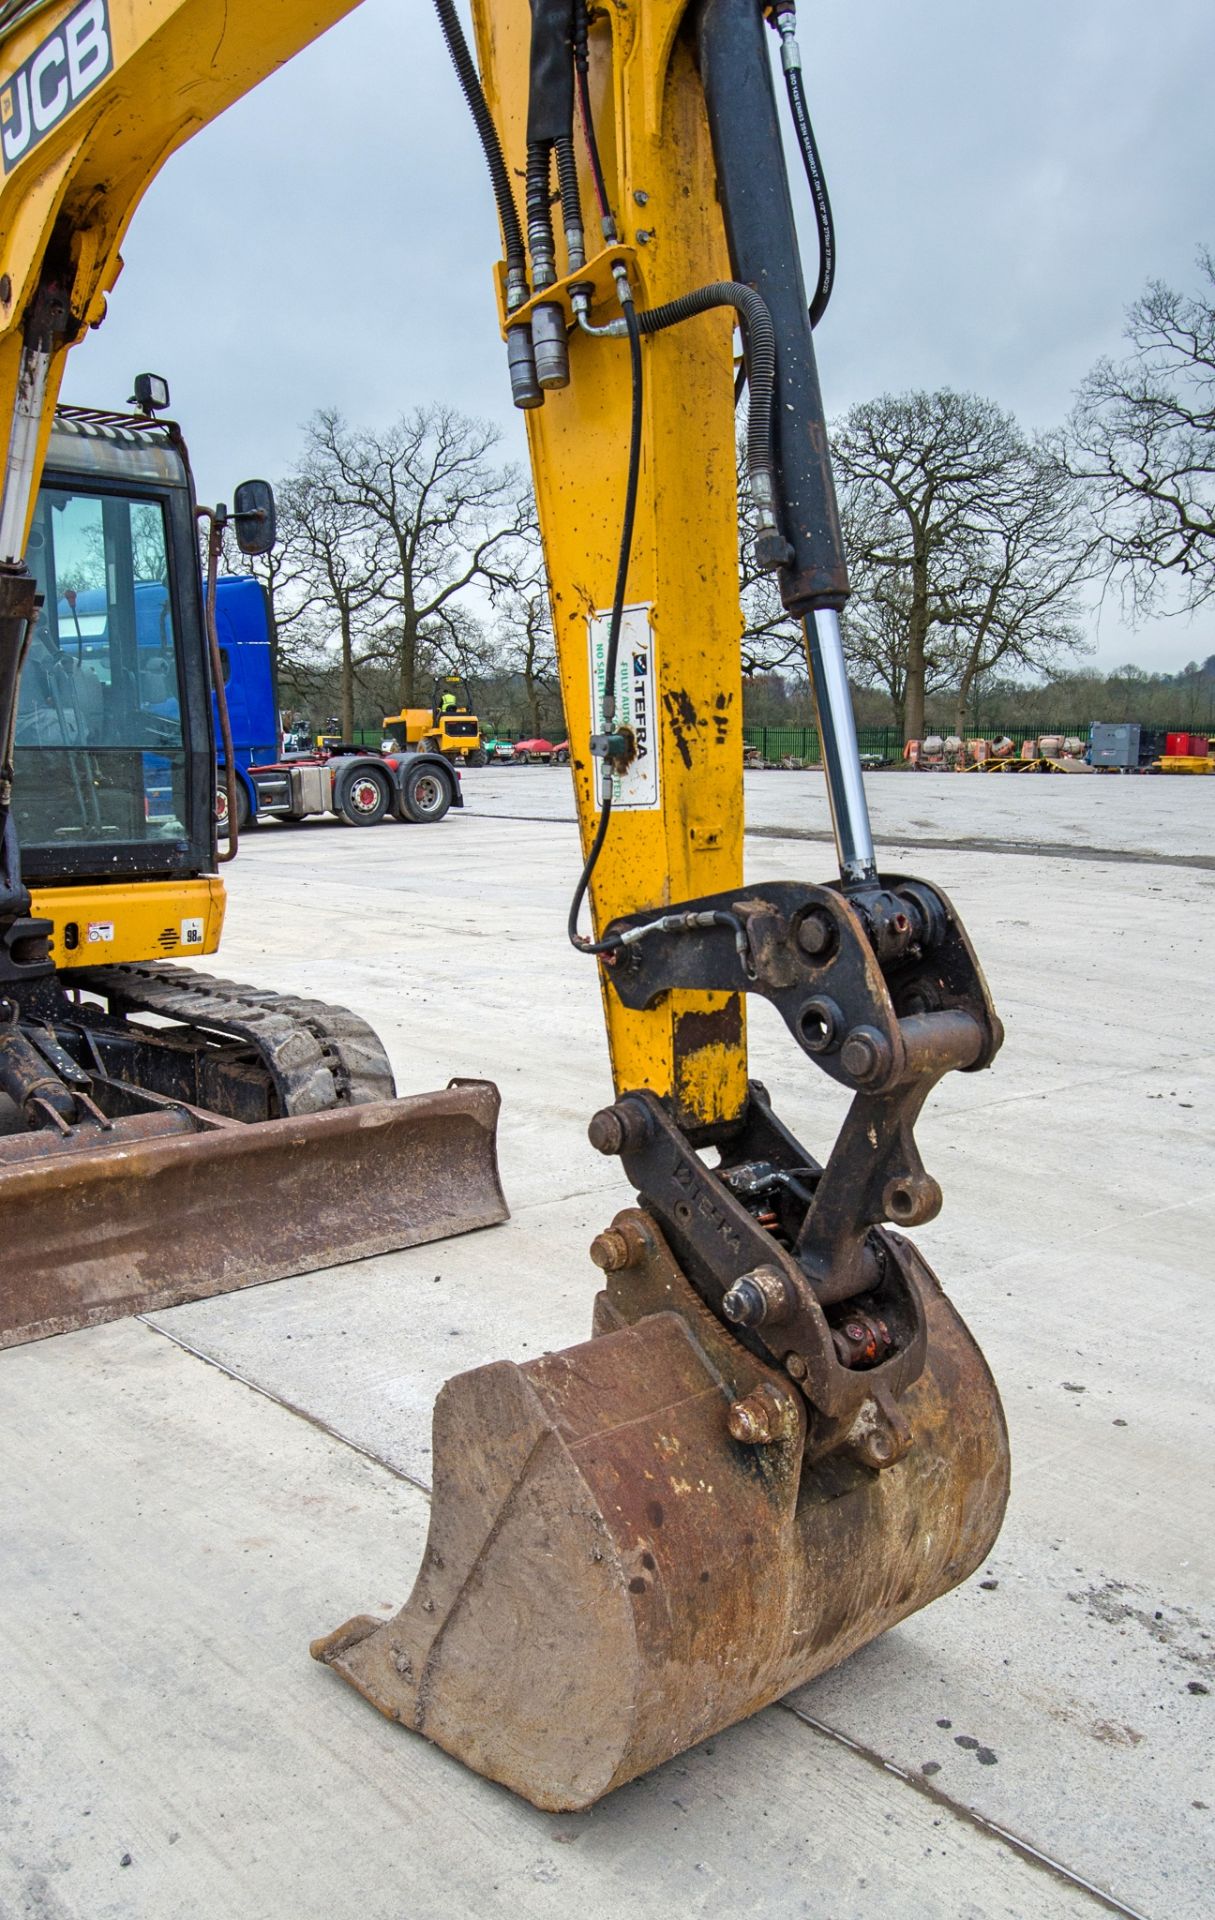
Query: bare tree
(1028, 556)
(525, 646)
(771, 637)
(446, 521)
(341, 576)
(965, 542)
(876, 623)
(1142, 435)
(916, 471)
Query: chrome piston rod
(841, 755)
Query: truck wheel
(425, 795)
(244, 814)
(477, 758)
(364, 798)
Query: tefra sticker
(636, 701)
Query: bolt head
(747, 1424)
(815, 934)
(796, 1367)
(606, 1131)
(865, 1056)
(610, 1251)
(743, 1304)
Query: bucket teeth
(610, 1576)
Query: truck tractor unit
(313, 779)
(359, 788)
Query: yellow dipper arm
(676, 826)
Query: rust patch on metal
(723, 1028)
(683, 720)
(611, 1577)
(152, 1222)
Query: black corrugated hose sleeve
(470, 85)
(760, 340)
(539, 206)
(567, 181)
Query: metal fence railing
(775, 745)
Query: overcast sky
(1004, 178)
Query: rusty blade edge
(87, 1239)
(478, 1100)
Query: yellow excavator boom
(780, 1438)
(94, 98)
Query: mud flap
(157, 1221)
(610, 1577)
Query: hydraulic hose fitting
(571, 206)
(784, 19)
(525, 388)
(552, 354)
(516, 288)
(540, 241)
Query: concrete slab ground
(171, 1539)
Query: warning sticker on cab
(636, 701)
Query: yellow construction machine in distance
(449, 727)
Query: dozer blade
(610, 1577)
(149, 1221)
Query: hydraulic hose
(818, 194)
(571, 203)
(784, 19)
(633, 328)
(470, 86)
(759, 341)
(540, 215)
(607, 219)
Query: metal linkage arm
(881, 988)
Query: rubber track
(317, 1056)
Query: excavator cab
(147, 1111)
(113, 750)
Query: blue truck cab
(242, 621)
(359, 788)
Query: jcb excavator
(781, 1438)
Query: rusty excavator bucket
(632, 1545)
(781, 1439)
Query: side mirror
(253, 516)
